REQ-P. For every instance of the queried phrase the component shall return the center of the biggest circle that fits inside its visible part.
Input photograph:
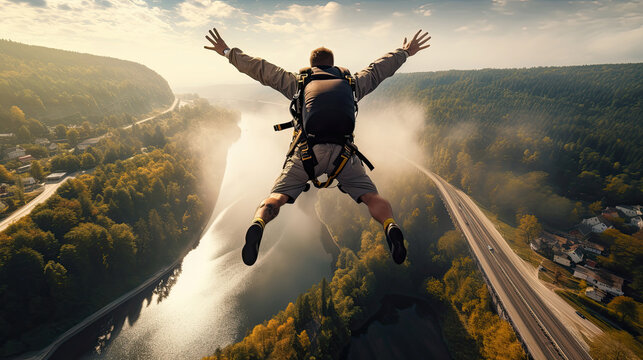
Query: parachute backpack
(330, 119)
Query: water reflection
(163, 288)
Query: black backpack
(328, 104)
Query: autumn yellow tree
(529, 228)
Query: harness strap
(362, 157)
(284, 126)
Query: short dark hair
(321, 56)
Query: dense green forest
(546, 141)
(56, 86)
(103, 232)
(320, 322)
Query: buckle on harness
(351, 80)
(302, 77)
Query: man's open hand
(218, 44)
(416, 43)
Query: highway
(548, 326)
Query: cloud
(480, 26)
(380, 27)
(36, 3)
(302, 18)
(197, 13)
(423, 10)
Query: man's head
(321, 57)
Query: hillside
(56, 86)
(539, 139)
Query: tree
(626, 306)
(529, 228)
(72, 137)
(596, 206)
(23, 134)
(124, 254)
(93, 242)
(5, 175)
(60, 131)
(613, 345)
(36, 170)
(16, 116)
(87, 161)
(57, 281)
(20, 190)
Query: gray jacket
(286, 82)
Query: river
(213, 299)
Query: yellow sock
(260, 222)
(388, 222)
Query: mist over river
(215, 299)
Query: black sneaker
(251, 248)
(395, 241)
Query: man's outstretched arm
(259, 69)
(368, 79)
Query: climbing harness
(304, 140)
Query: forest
(57, 86)
(105, 231)
(546, 141)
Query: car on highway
(580, 314)
(489, 247)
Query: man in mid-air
(329, 97)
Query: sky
(168, 35)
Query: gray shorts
(352, 179)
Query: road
(548, 325)
(50, 189)
(172, 107)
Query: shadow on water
(95, 337)
(403, 328)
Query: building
(55, 177)
(629, 211)
(637, 221)
(610, 212)
(6, 137)
(23, 169)
(87, 143)
(593, 247)
(595, 294)
(596, 224)
(600, 279)
(562, 258)
(29, 183)
(590, 264)
(575, 254)
(26, 159)
(42, 142)
(14, 152)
